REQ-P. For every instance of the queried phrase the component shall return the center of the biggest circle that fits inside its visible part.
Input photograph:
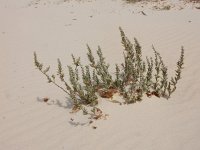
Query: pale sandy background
(55, 29)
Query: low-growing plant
(133, 79)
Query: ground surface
(55, 29)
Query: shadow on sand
(66, 105)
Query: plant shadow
(75, 124)
(66, 105)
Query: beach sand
(56, 29)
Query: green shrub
(133, 79)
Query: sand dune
(55, 29)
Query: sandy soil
(55, 29)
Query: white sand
(55, 29)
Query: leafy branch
(133, 79)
